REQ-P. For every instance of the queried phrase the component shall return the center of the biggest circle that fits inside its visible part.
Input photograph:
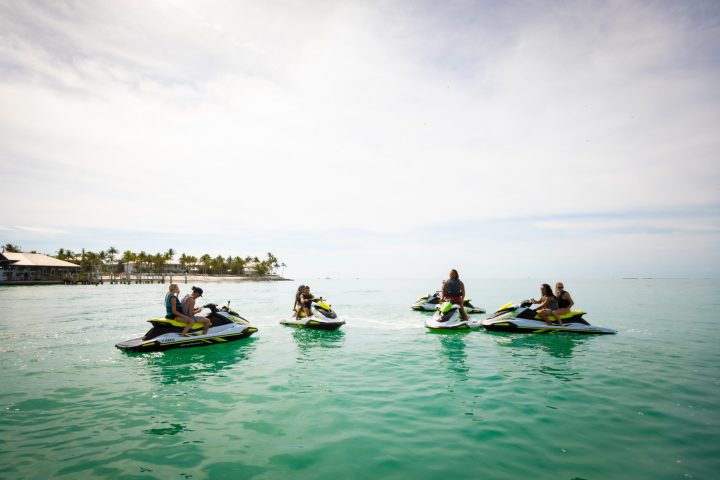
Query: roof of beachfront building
(34, 260)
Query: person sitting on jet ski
(564, 300)
(296, 305)
(548, 303)
(453, 291)
(189, 309)
(306, 299)
(173, 308)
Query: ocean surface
(381, 398)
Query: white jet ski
(227, 326)
(322, 317)
(447, 317)
(522, 319)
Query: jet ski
(227, 326)
(522, 319)
(447, 317)
(430, 302)
(322, 317)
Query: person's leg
(463, 313)
(560, 311)
(186, 329)
(206, 326)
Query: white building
(34, 267)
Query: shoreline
(225, 278)
(182, 279)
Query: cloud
(377, 117)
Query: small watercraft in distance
(430, 302)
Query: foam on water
(380, 398)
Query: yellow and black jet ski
(322, 317)
(521, 318)
(227, 326)
(431, 302)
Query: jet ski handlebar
(214, 308)
(526, 304)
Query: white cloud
(169, 117)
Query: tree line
(113, 262)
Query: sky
(511, 139)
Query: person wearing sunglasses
(564, 300)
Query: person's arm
(176, 310)
(191, 310)
(444, 291)
(569, 298)
(462, 291)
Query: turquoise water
(380, 398)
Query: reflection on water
(557, 345)
(307, 338)
(188, 364)
(529, 350)
(453, 348)
(173, 429)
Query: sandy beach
(200, 279)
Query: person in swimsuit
(306, 299)
(564, 300)
(297, 304)
(453, 291)
(547, 302)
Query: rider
(173, 309)
(548, 303)
(296, 305)
(188, 305)
(306, 299)
(564, 300)
(453, 291)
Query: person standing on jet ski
(189, 308)
(453, 291)
(564, 300)
(548, 303)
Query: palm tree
(205, 260)
(192, 261)
(102, 257)
(111, 252)
(218, 264)
(12, 248)
(128, 257)
(237, 265)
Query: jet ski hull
(174, 340)
(449, 320)
(535, 326)
(521, 319)
(228, 326)
(322, 317)
(313, 323)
